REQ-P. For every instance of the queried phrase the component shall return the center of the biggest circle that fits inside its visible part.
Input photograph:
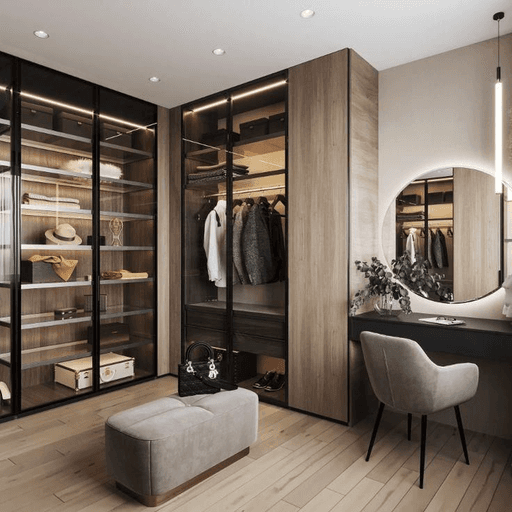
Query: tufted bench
(158, 450)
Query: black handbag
(200, 377)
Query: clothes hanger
(249, 201)
(237, 202)
(279, 198)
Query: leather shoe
(264, 381)
(276, 383)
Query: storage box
(37, 115)
(254, 128)
(116, 135)
(111, 335)
(276, 123)
(74, 124)
(245, 364)
(219, 137)
(40, 272)
(77, 374)
(435, 197)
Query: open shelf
(122, 154)
(238, 306)
(276, 397)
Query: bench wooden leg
(153, 501)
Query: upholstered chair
(404, 378)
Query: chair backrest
(401, 374)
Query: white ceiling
(121, 43)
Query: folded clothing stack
(215, 172)
(123, 274)
(409, 217)
(41, 200)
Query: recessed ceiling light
(218, 51)
(41, 34)
(154, 79)
(307, 13)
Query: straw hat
(63, 234)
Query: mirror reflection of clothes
(439, 250)
(215, 244)
(507, 304)
(411, 244)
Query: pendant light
(498, 117)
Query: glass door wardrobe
(235, 264)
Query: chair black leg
(409, 424)
(422, 449)
(461, 433)
(374, 433)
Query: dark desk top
(478, 337)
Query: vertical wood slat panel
(318, 236)
(163, 241)
(174, 254)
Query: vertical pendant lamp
(498, 117)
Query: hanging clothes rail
(249, 191)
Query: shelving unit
(74, 141)
(248, 321)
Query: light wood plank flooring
(54, 461)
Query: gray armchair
(403, 377)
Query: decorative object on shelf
(88, 302)
(200, 377)
(63, 234)
(37, 268)
(63, 313)
(84, 166)
(55, 202)
(116, 228)
(123, 274)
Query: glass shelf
(127, 281)
(44, 320)
(75, 213)
(54, 248)
(122, 154)
(63, 284)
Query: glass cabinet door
(206, 164)
(127, 204)
(6, 237)
(56, 230)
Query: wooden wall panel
(174, 254)
(163, 247)
(476, 234)
(318, 236)
(364, 160)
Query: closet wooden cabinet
(79, 236)
(333, 185)
(234, 266)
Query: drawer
(214, 338)
(208, 319)
(259, 345)
(266, 326)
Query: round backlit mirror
(454, 219)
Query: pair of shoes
(276, 383)
(264, 381)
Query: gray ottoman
(159, 449)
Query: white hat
(63, 234)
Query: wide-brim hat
(63, 234)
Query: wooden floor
(54, 461)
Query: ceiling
(121, 43)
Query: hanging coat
(256, 246)
(215, 244)
(277, 246)
(241, 214)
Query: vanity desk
(488, 343)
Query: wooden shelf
(256, 146)
(62, 284)
(126, 281)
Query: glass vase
(384, 305)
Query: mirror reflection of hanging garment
(439, 249)
(411, 244)
(430, 255)
(215, 244)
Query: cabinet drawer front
(211, 320)
(214, 338)
(266, 327)
(256, 345)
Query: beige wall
(436, 113)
